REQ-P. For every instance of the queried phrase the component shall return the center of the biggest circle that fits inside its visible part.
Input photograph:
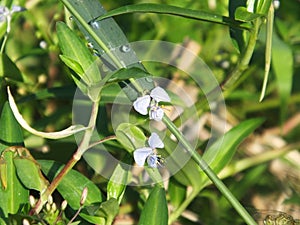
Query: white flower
(141, 154)
(6, 14)
(150, 102)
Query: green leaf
(262, 6)
(29, 171)
(177, 193)
(74, 50)
(108, 209)
(107, 40)
(72, 185)
(76, 67)
(119, 179)
(9, 69)
(155, 211)
(130, 136)
(221, 152)
(127, 73)
(14, 196)
(176, 11)
(11, 132)
(243, 15)
(239, 37)
(282, 65)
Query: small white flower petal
(156, 114)
(160, 95)
(141, 104)
(50, 135)
(155, 141)
(16, 8)
(152, 160)
(140, 155)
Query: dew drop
(71, 18)
(90, 45)
(125, 48)
(95, 25)
(149, 79)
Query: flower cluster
(149, 153)
(149, 103)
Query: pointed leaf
(130, 136)
(9, 69)
(73, 48)
(155, 211)
(10, 132)
(29, 171)
(221, 152)
(15, 195)
(282, 64)
(172, 10)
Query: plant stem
(210, 173)
(174, 215)
(245, 60)
(83, 146)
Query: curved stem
(83, 146)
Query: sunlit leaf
(130, 136)
(242, 14)
(173, 10)
(29, 171)
(155, 210)
(15, 195)
(72, 184)
(75, 50)
(221, 152)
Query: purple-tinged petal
(152, 160)
(156, 114)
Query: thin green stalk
(268, 52)
(209, 172)
(245, 60)
(3, 43)
(175, 214)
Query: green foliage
(155, 210)
(238, 41)
(72, 185)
